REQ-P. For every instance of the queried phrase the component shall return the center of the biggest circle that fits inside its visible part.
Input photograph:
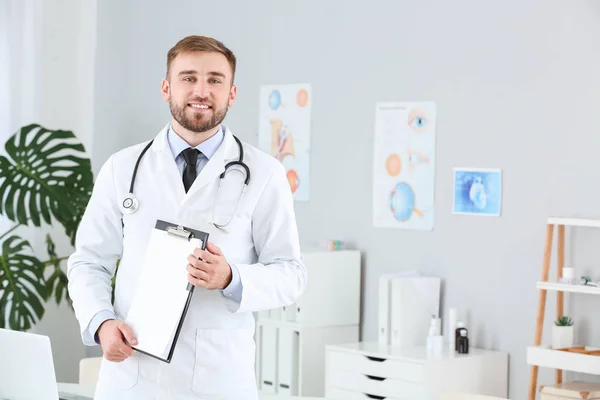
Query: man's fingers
(115, 354)
(201, 265)
(203, 255)
(197, 273)
(197, 282)
(213, 249)
(125, 350)
(128, 333)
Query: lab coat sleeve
(98, 246)
(279, 276)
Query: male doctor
(252, 264)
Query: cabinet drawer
(374, 386)
(342, 394)
(375, 366)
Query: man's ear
(165, 89)
(232, 95)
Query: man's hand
(111, 335)
(208, 268)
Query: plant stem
(9, 231)
(49, 262)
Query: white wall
(67, 63)
(69, 66)
(517, 88)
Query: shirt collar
(208, 147)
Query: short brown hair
(195, 43)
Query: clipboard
(163, 294)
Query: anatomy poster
(477, 191)
(404, 165)
(284, 132)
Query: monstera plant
(45, 179)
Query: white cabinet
(371, 370)
(290, 342)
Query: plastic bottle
(432, 333)
(459, 326)
(463, 343)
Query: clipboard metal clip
(179, 231)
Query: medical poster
(404, 165)
(477, 191)
(284, 132)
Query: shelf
(557, 359)
(585, 222)
(563, 287)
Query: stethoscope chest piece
(130, 204)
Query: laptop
(27, 368)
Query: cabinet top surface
(414, 353)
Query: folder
(383, 333)
(287, 363)
(163, 294)
(414, 300)
(268, 359)
(385, 309)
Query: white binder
(385, 305)
(163, 293)
(287, 363)
(268, 359)
(414, 301)
(383, 332)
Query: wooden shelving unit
(584, 360)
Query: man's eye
(188, 79)
(215, 81)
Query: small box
(572, 390)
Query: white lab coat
(215, 354)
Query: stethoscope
(131, 203)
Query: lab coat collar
(227, 151)
(207, 147)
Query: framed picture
(477, 191)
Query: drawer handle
(372, 396)
(268, 383)
(375, 359)
(284, 385)
(375, 378)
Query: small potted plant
(562, 333)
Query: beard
(198, 122)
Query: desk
(88, 390)
(74, 388)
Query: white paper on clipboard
(161, 292)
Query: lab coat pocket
(234, 240)
(119, 375)
(224, 365)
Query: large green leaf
(45, 175)
(23, 289)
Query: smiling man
(199, 87)
(195, 173)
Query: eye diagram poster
(284, 132)
(477, 191)
(404, 165)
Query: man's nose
(202, 89)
